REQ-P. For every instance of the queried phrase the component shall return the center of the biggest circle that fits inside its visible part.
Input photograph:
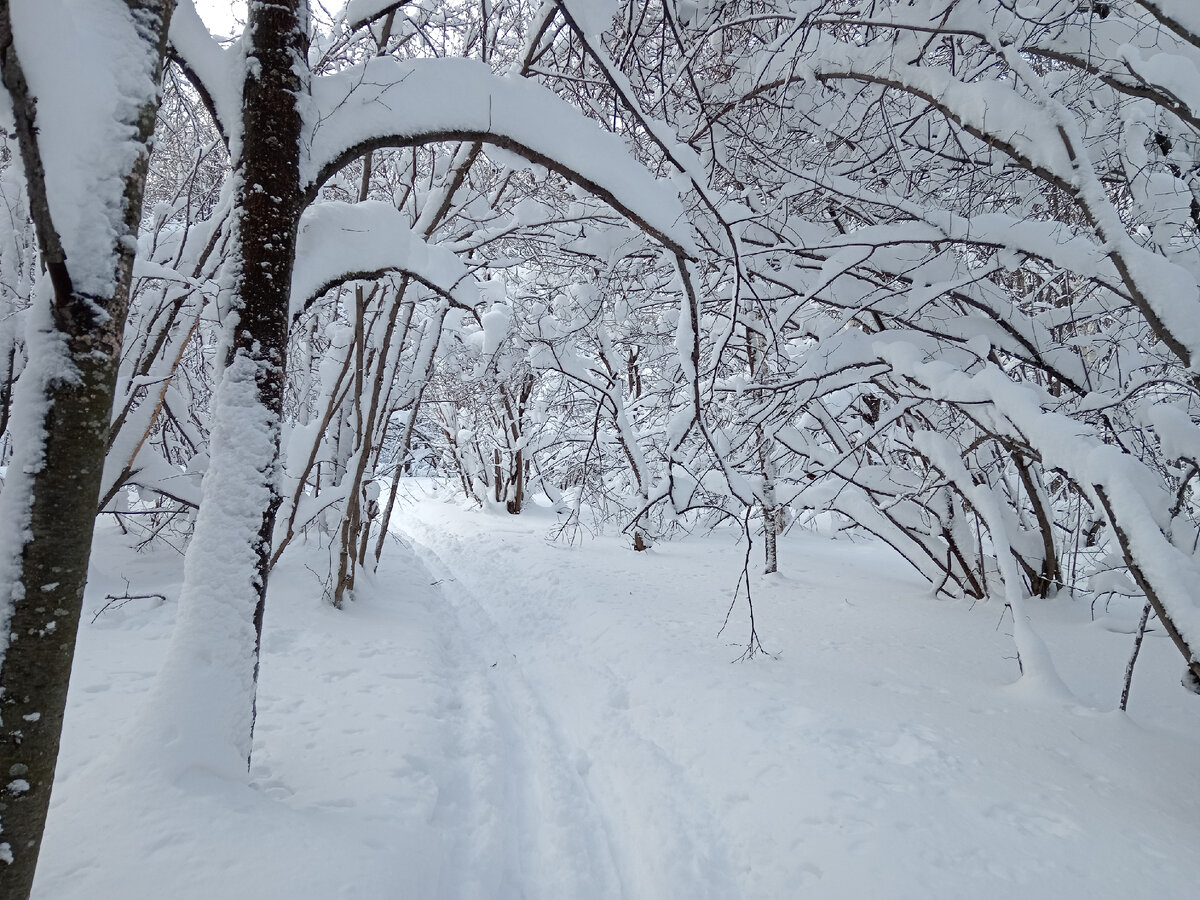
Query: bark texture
(48, 580)
(269, 203)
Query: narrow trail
(452, 730)
(570, 798)
(523, 821)
(882, 751)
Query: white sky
(223, 17)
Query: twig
(1137, 647)
(116, 601)
(753, 645)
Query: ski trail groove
(602, 810)
(526, 825)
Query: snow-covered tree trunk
(511, 490)
(756, 356)
(66, 395)
(206, 694)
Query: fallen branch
(116, 601)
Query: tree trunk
(215, 646)
(1046, 580)
(513, 493)
(769, 507)
(756, 357)
(405, 443)
(49, 505)
(353, 521)
(270, 204)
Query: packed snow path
(882, 753)
(500, 717)
(589, 806)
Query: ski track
(484, 768)
(649, 781)
(843, 768)
(521, 815)
(576, 825)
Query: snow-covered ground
(498, 716)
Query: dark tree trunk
(228, 558)
(47, 581)
(1046, 580)
(269, 205)
(513, 492)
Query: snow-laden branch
(341, 242)
(360, 13)
(390, 103)
(1042, 137)
(214, 71)
(1129, 492)
(89, 71)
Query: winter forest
(600, 448)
